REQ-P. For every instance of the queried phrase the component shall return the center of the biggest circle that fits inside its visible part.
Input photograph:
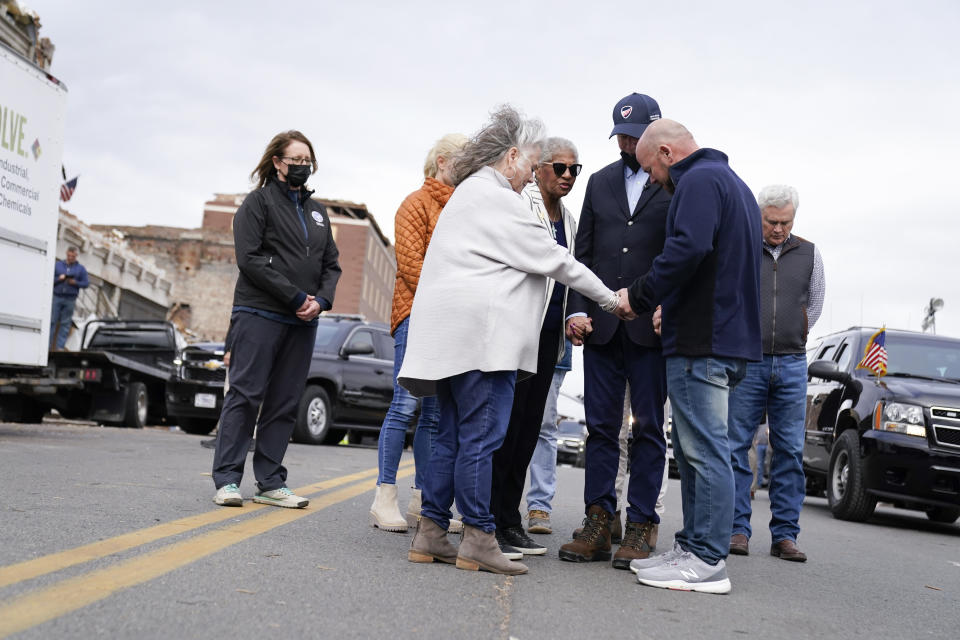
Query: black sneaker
(516, 537)
(508, 550)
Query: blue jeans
(699, 390)
(61, 313)
(779, 385)
(393, 432)
(474, 413)
(543, 465)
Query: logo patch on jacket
(318, 218)
(625, 111)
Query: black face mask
(297, 174)
(631, 161)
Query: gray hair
(506, 129)
(554, 145)
(778, 195)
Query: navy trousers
(607, 369)
(269, 362)
(511, 460)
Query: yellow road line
(29, 569)
(68, 595)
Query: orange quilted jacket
(413, 226)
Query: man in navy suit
(622, 229)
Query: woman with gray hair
(474, 327)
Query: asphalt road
(112, 533)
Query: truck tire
(315, 417)
(135, 406)
(846, 495)
(946, 515)
(196, 426)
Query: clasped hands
(579, 327)
(309, 310)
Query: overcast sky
(854, 103)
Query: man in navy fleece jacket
(707, 282)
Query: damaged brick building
(202, 265)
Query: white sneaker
(653, 561)
(687, 572)
(229, 496)
(281, 497)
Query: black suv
(894, 440)
(195, 391)
(350, 384)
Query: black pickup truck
(128, 373)
(895, 439)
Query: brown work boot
(638, 543)
(616, 530)
(430, 543)
(539, 522)
(788, 550)
(593, 540)
(739, 545)
(479, 550)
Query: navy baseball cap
(633, 114)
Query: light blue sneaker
(687, 572)
(281, 497)
(229, 496)
(653, 561)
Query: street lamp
(929, 321)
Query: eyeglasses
(297, 160)
(559, 168)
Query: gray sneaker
(687, 572)
(229, 496)
(653, 561)
(281, 497)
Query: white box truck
(32, 112)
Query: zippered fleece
(279, 264)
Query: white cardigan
(482, 289)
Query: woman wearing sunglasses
(474, 328)
(289, 270)
(555, 176)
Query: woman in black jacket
(288, 274)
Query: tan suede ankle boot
(384, 513)
(430, 543)
(479, 550)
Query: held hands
(309, 310)
(578, 328)
(623, 310)
(657, 319)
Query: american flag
(67, 189)
(875, 354)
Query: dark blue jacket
(619, 246)
(76, 271)
(708, 276)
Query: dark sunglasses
(559, 168)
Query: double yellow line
(36, 607)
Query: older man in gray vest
(791, 298)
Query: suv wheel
(314, 417)
(943, 514)
(846, 494)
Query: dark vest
(784, 297)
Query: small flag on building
(67, 189)
(875, 354)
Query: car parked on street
(195, 390)
(350, 383)
(571, 443)
(895, 439)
